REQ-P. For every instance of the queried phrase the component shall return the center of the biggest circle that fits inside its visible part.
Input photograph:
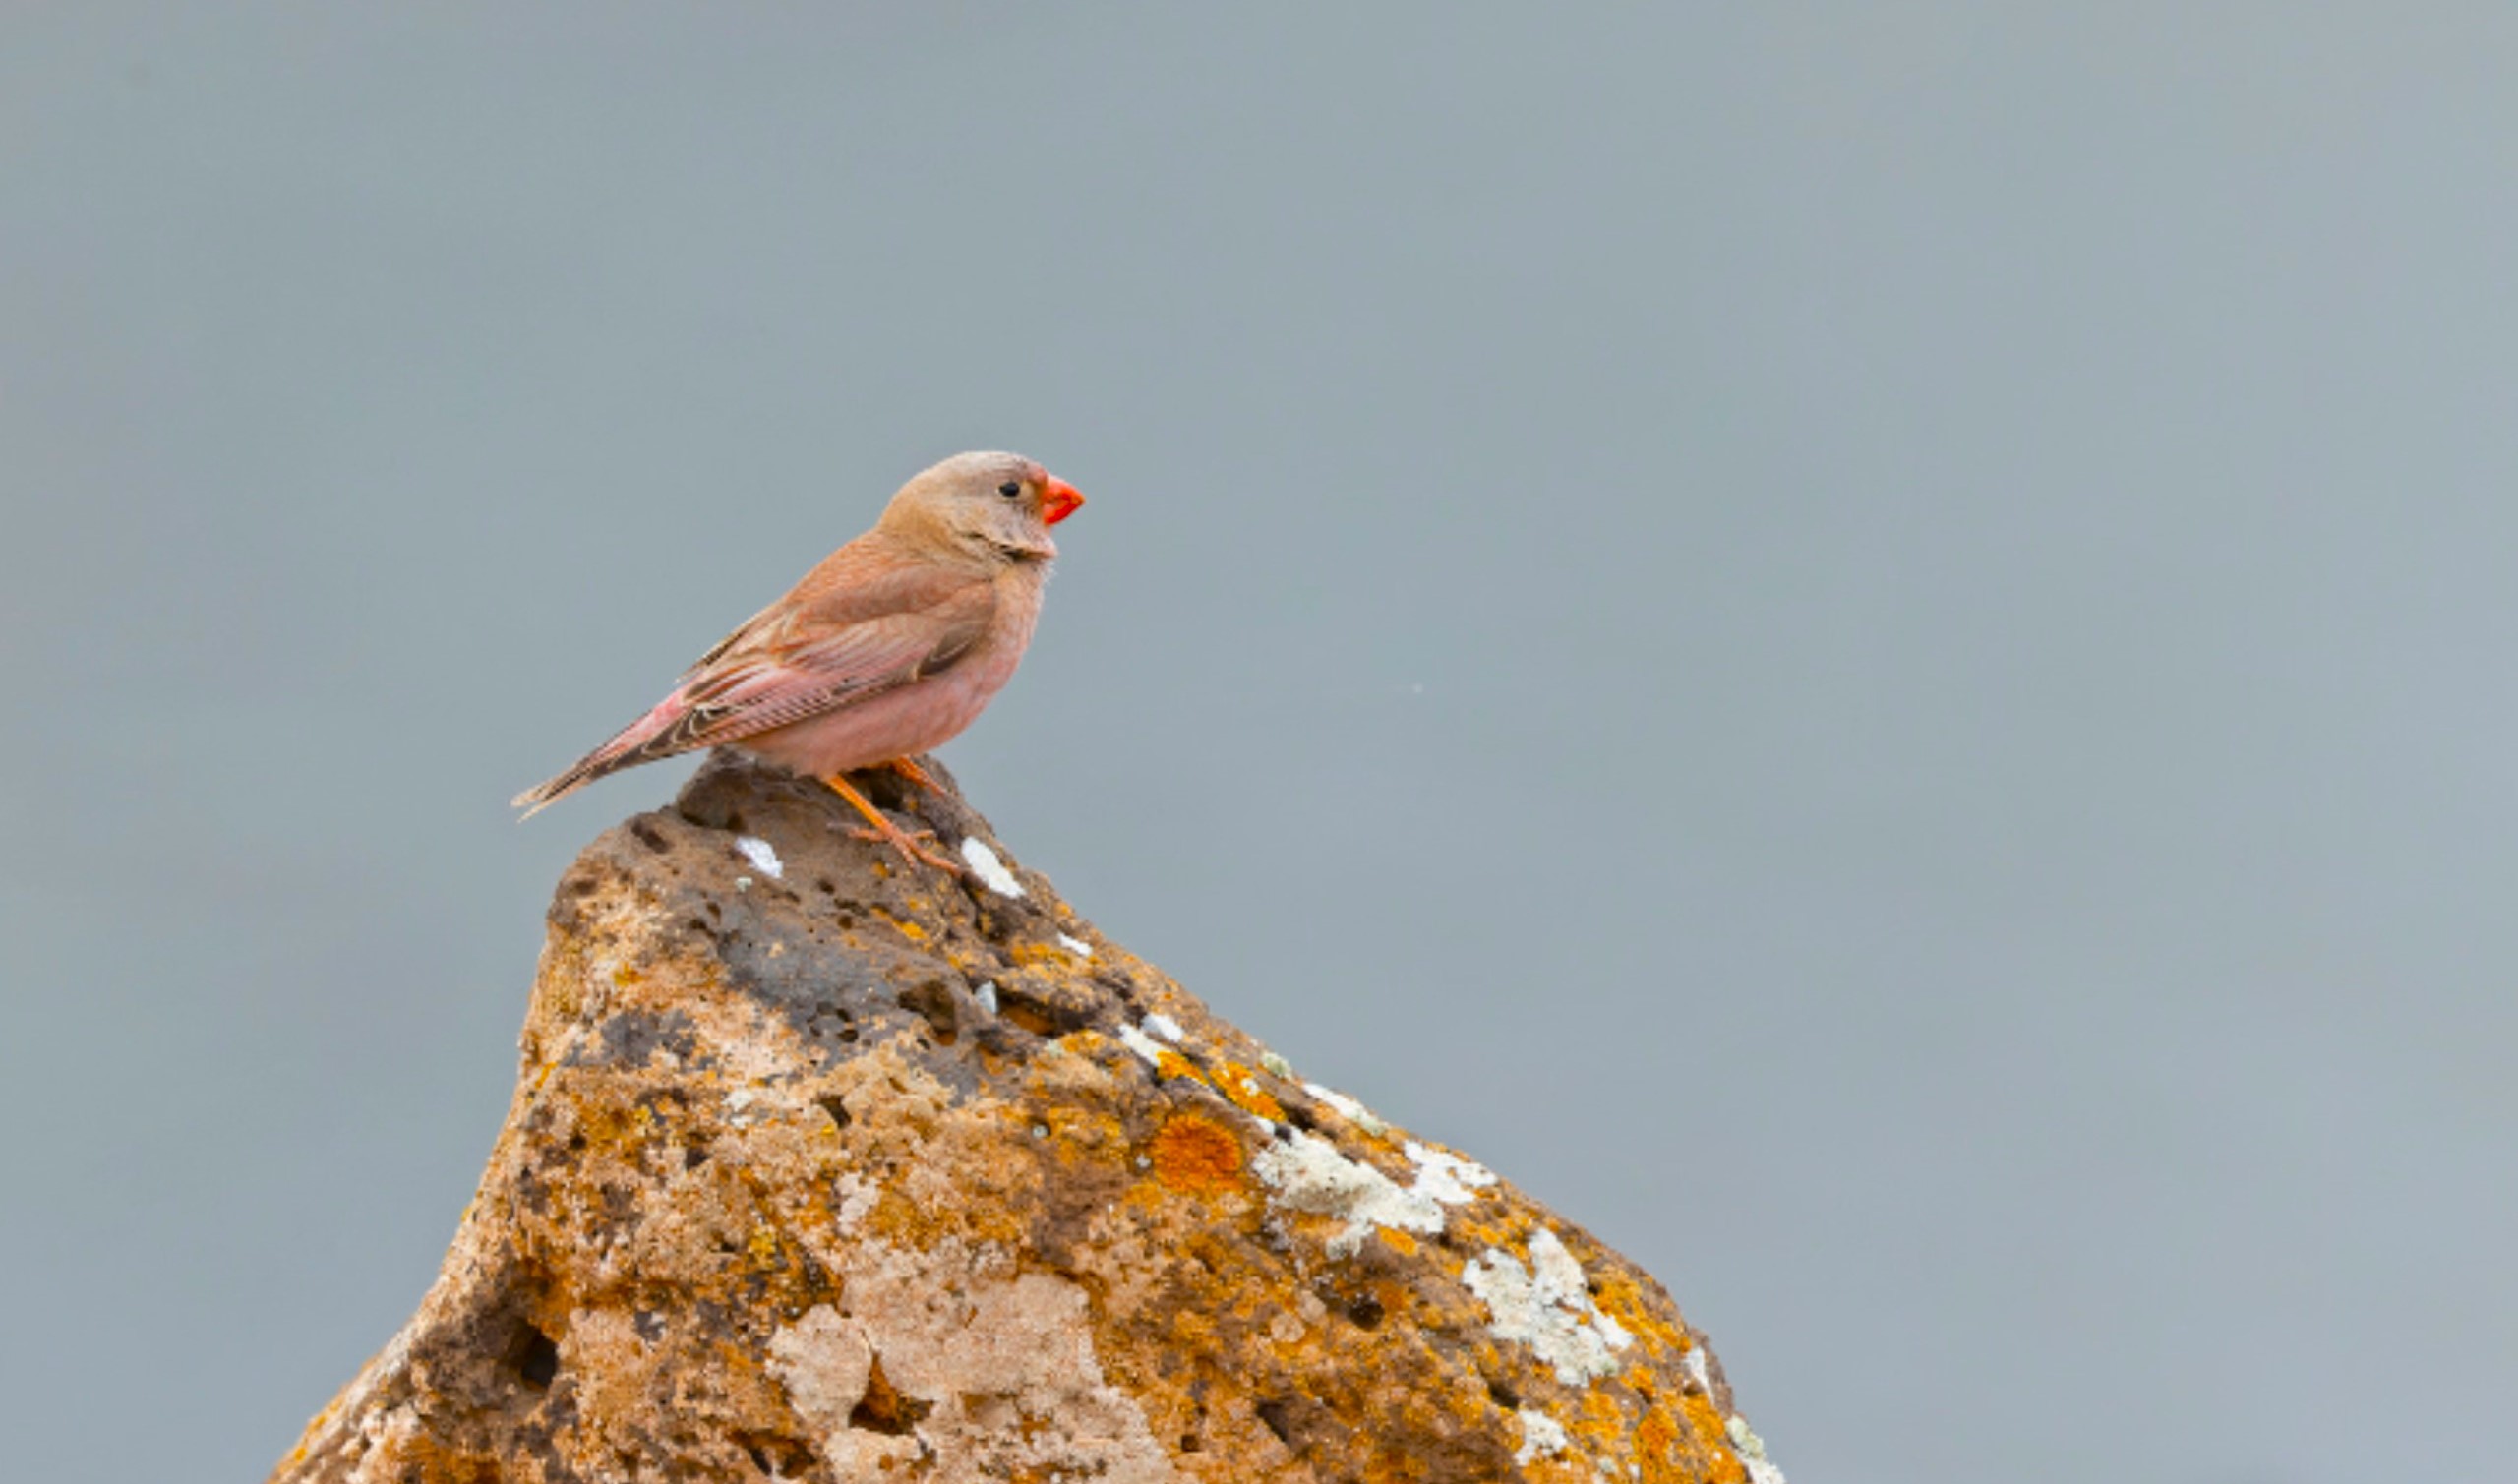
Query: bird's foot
(879, 827)
(907, 843)
(917, 775)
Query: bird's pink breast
(919, 717)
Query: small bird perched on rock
(888, 648)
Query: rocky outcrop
(821, 1169)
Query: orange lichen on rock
(1052, 955)
(1196, 1155)
(1704, 1446)
(1621, 1299)
(1241, 1085)
(784, 1193)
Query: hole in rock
(836, 1107)
(535, 1357)
(1503, 1396)
(884, 1409)
(776, 1458)
(933, 1002)
(828, 1023)
(1365, 1312)
(1044, 1017)
(647, 835)
(1026, 1016)
(1277, 1414)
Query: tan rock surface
(821, 1169)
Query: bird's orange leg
(884, 830)
(908, 768)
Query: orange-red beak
(1059, 500)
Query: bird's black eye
(1010, 488)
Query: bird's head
(996, 504)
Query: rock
(819, 1168)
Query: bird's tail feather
(629, 747)
(551, 791)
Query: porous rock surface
(822, 1168)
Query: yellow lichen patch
(1621, 1299)
(1197, 1156)
(1399, 1241)
(1081, 1136)
(907, 1217)
(1192, 1332)
(1174, 1064)
(609, 1126)
(423, 1459)
(1481, 1224)
(1706, 1449)
(913, 931)
(763, 1246)
(1601, 1429)
(1241, 1085)
(1656, 1443)
(1039, 955)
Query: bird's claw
(879, 827)
(907, 843)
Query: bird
(888, 648)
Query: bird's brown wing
(859, 625)
(815, 653)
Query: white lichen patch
(1307, 1172)
(854, 1196)
(990, 870)
(1701, 1375)
(823, 1360)
(752, 1104)
(763, 855)
(1542, 1437)
(1353, 1111)
(1276, 1065)
(1446, 1176)
(1074, 945)
(1166, 1026)
(986, 994)
(1135, 1040)
(1548, 1307)
(1003, 1360)
(1752, 1450)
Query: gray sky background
(1866, 644)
